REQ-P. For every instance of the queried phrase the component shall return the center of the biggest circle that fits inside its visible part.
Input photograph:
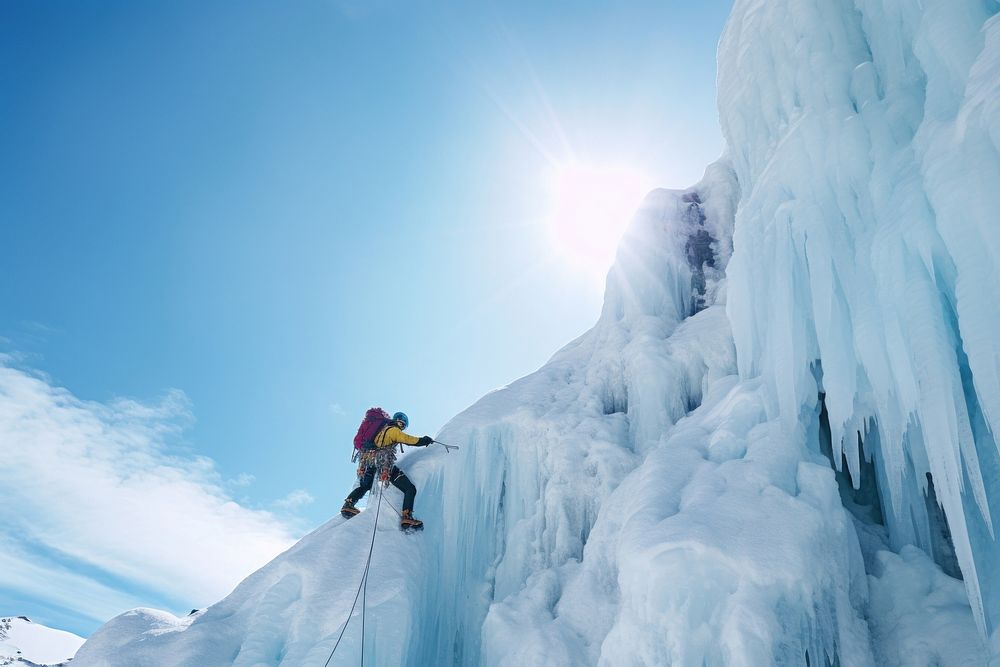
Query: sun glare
(589, 209)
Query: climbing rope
(394, 509)
(363, 586)
(382, 460)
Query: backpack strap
(381, 431)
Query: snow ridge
(24, 643)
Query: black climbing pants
(398, 479)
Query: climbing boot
(349, 510)
(408, 523)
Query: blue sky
(254, 220)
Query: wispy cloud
(338, 409)
(99, 487)
(39, 328)
(243, 479)
(294, 500)
(27, 571)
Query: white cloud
(295, 499)
(37, 327)
(338, 409)
(243, 479)
(26, 572)
(99, 485)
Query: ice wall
(541, 455)
(865, 139)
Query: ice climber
(375, 450)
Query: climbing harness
(363, 586)
(380, 459)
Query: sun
(590, 206)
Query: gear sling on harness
(381, 463)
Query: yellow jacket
(392, 435)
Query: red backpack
(375, 420)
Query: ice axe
(447, 448)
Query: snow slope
(775, 445)
(23, 642)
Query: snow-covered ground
(25, 643)
(775, 445)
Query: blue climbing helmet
(401, 417)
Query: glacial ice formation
(867, 243)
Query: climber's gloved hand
(424, 441)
